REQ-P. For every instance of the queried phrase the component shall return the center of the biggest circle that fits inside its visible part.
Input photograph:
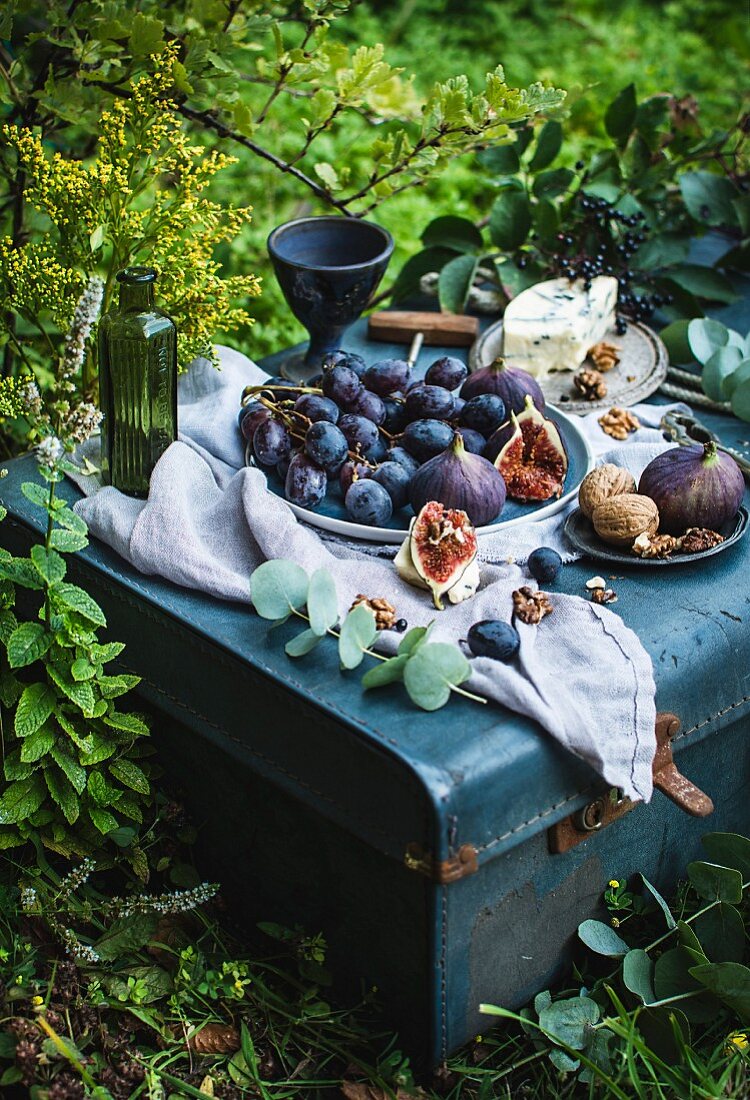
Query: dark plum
(305, 483)
(458, 404)
(342, 385)
(315, 407)
(447, 372)
(544, 564)
(352, 471)
(345, 359)
(494, 638)
(359, 431)
(409, 462)
(473, 441)
(387, 376)
(271, 443)
(326, 445)
(368, 502)
(395, 480)
(395, 415)
(426, 438)
(483, 413)
(429, 401)
(369, 405)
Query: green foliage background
(684, 47)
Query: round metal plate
(332, 516)
(641, 370)
(581, 533)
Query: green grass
(590, 48)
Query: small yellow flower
(37, 1001)
(477, 1038)
(615, 922)
(614, 884)
(738, 1040)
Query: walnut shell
(621, 519)
(602, 483)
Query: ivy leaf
(619, 118)
(37, 744)
(302, 644)
(548, 145)
(130, 775)
(432, 671)
(729, 981)
(73, 597)
(146, 35)
(510, 220)
(278, 587)
(27, 644)
(414, 638)
(454, 283)
(385, 672)
(68, 541)
(34, 708)
(63, 794)
(20, 799)
(637, 975)
(714, 882)
(358, 632)
(322, 606)
(457, 234)
(709, 198)
(602, 939)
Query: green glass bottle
(137, 383)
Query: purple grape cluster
(361, 431)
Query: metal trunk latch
(607, 808)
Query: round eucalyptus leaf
(717, 370)
(385, 672)
(714, 882)
(277, 588)
(721, 931)
(303, 643)
(637, 974)
(706, 336)
(322, 605)
(741, 401)
(569, 1021)
(740, 374)
(431, 673)
(730, 850)
(602, 939)
(358, 632)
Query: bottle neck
(137, 296)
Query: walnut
(530, 606)
(621, 519)
(604, 595)
(655, 546)
(385, 613)
(604, 355)
(214, 1039)
(619, 423)
(601, 483)
(590, 384)
(697, 539)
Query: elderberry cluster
(601, 240)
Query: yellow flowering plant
(142, 197)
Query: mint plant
(429, 671)
(73, 761)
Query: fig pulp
(440, 553)
(531, 456)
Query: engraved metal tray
(641, 370)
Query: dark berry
(400, 626)
(544, 564)
(494, 638)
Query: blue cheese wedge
(552, 325)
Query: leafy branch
(430, 671)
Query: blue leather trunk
(420, 843)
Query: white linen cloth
(209, 521)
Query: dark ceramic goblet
(328, 269)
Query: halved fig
(442, 546)
(530, 454)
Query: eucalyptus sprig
(429, 671)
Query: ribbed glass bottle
(137, 383)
